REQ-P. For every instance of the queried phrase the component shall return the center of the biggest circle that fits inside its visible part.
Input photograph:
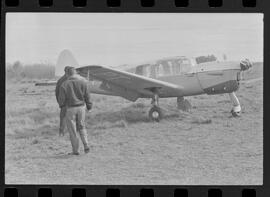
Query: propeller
(245, 64)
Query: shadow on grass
(132, 114)
(136, 113)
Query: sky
(112, 39)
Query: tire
(155, 114)
(235, 114)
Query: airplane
(178, 77)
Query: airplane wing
(128, 85)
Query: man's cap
(67, 68)
(72, 70)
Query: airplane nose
(245, 64)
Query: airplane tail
(65, 58)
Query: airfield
(204, 146)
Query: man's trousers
(75, 121)
(62, 118)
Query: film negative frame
(193, 6)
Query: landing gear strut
(236, 110)
(155, 112)
(183, 104)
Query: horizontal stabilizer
(48, 83)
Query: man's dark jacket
(75, 92)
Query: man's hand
(89, 106)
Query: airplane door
(189, 78)
(191, 83)
(209, 78)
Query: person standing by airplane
(63, 108)
(75, 95)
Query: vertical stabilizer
(65, 58)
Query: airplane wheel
(155, 114)
(236, 111)
(235, 114)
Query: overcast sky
(117, 38)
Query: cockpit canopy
(166, 67)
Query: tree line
(32, 71)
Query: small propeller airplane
(169, 77)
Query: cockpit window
(139, 70)
(147, 70)
(175, 66)
(182, 65)
(160, 70)
(143, 70)
(164, 68)
(185, 61)
(193, 62)
(185, 66)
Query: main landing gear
(236, 110)
(155, 112)
(183, 104)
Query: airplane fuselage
(194, 79)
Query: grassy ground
(205, 146)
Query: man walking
(63, 108)
(75, 95)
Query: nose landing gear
(155, 113)
(236, 110)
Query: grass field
(204, 146)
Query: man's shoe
(86, 150)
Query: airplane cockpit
(166, 67)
